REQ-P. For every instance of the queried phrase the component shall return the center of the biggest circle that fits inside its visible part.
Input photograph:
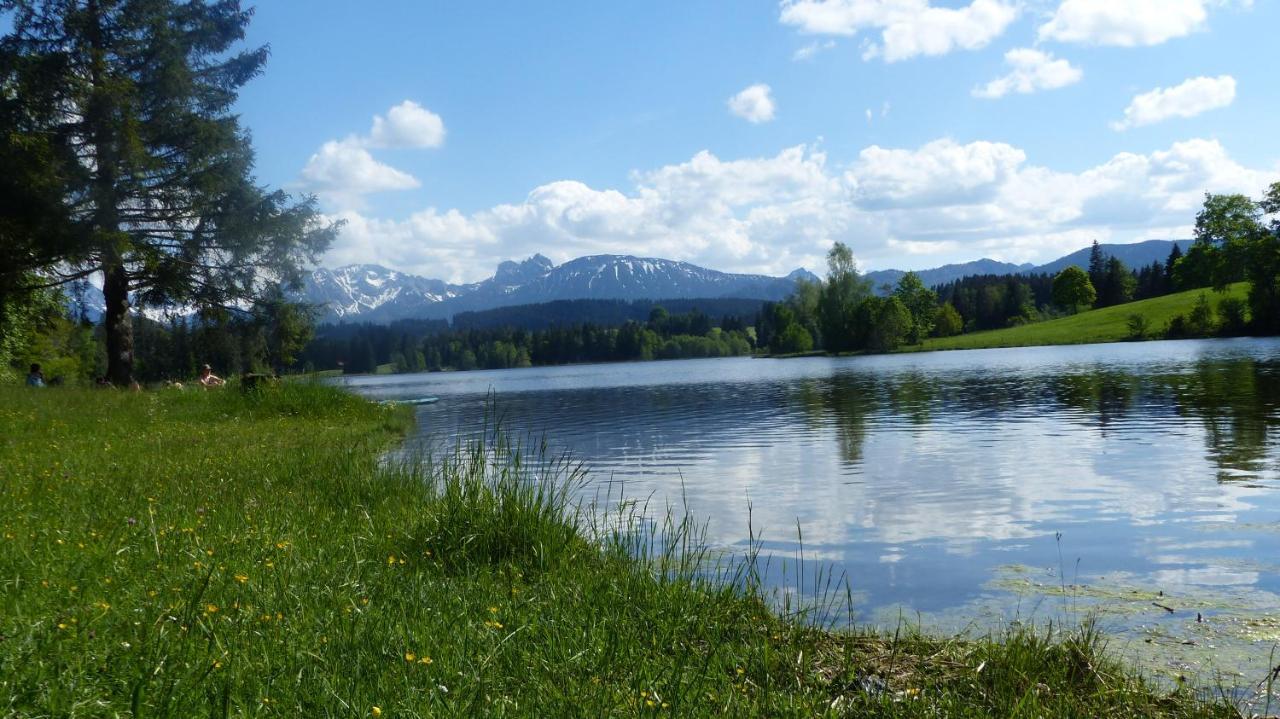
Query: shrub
(1201, 321)
(1139, 326)
(795, 339)
(1232, 312)
(947, 322)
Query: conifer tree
(156, 171)
(1097, 264)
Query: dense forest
(608, 313)
(418, 346)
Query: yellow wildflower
(376, 711)
(242, 578)
(410, 656)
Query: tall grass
(219, 554)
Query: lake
(954, 490)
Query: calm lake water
(954, 489)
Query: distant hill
(1135, 256)
(947, 273)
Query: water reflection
(921, 476)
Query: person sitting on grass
(35, 378)
(209, 379)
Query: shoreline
(275, 563)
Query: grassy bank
(211, 554)
(1109, 324)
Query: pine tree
(1097, 265)
(156, 172)
(1174, 255)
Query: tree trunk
(119, 325)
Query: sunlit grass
(1109, 324)
(189, 554)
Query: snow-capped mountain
(374, 293)
(370, 293)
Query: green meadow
(1109, 324)
(193, 554)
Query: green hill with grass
(1109, 324)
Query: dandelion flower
(210, 608)
(376, 711)
(242, 578)
(410, 656)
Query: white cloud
(809, 51)
(1127, 23)
(942, 172)
(342, 171)
(1031, 70)
(1192, 97)
(942, 202)
(754, 104)
(908, 28)
(407, 125)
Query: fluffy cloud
(754, 104)
(942, 172)
(908, 28)
(1127, 23)
(343, 171)
(1032, 70)
(941, 202)
(1192, 97)
(407, 125)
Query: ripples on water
(927, 477)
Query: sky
(748, 136)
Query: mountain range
(372, 293)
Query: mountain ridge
(376, 294)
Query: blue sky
(582, 128)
